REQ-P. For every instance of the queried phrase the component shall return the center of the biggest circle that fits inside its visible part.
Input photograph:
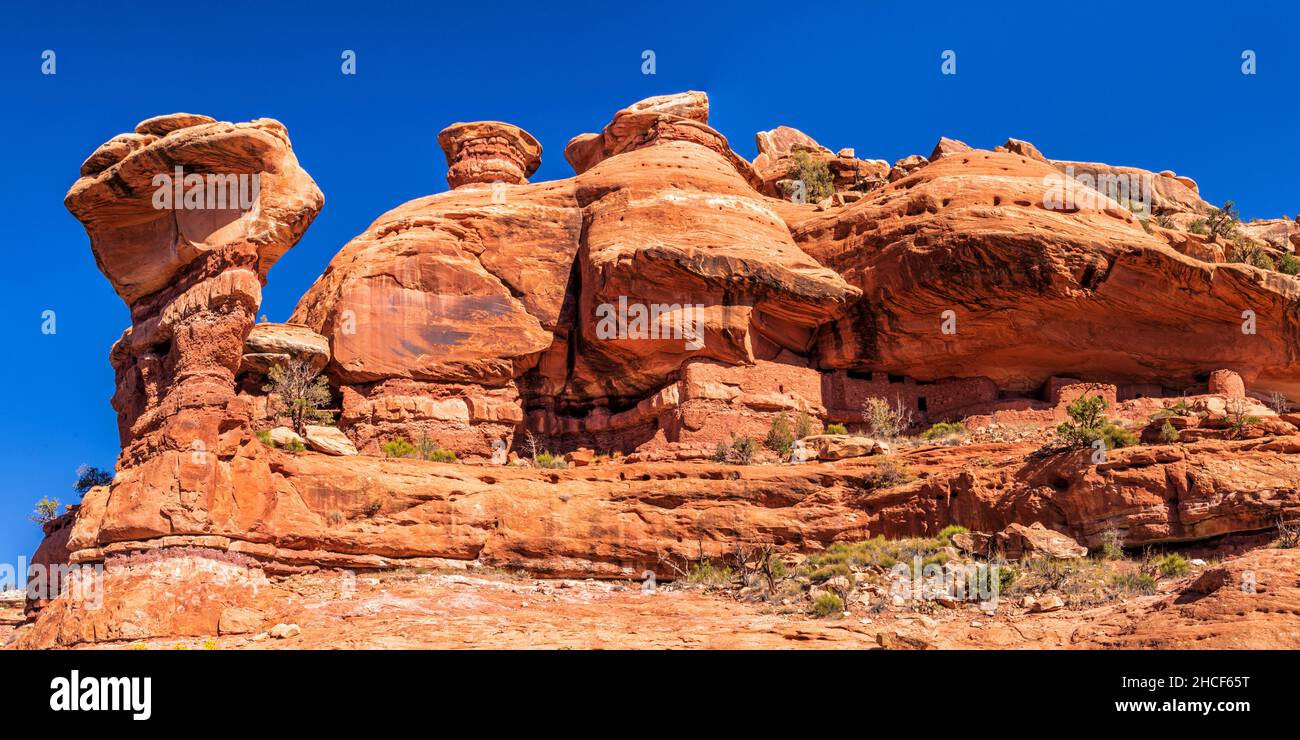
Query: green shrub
(779, 438)
(1088, 424)
(887, 474)
(947, 532)
(1261, 260)
(708, 574)
(1198, 227)
(1112, 547)
(295, 446)
(803, 425)
(429, 450)
(739, 452)
(398, 447)
(1131, 582)
(88, 477)
(826, 605)
(836, 429)
(1288, 264)
(884, 420)
(814, 173)
(1222, 221)
(1172, 565)
(1117, 436)
(1168, 433)
(720, 452)
(547, 460)
(264, 436)
(46, 509)
(841, 558)
(944, 429)
(300, 392)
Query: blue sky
(1125, 83)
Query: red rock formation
(489, 151)
(775, 164)
(186, 223)
(484, 314)
(1038, 291)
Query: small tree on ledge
(88, 477)
(300, 392)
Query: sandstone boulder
(906, 166)
(329, 440)
(1209, 581)
(841, 446)
(1227, 383)
(948, 147)
(1024, 149)
(271, 344)
(1018, 540)
(239, 621)
(284, 437)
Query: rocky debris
(274, 344)
(1046, 603)
(974, 543)
(1024, 149)
(1209, 581)
(780, 148)
(329, 440)
(239, 621)
(1282, 234)
(906, 166)
(895, 640)
(1018, 540)
(285, 631)
(489, 152)
(12, 604)
(947, 148)
(841, 446)
(580, 457)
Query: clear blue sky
(1126, 83)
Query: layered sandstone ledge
(949, 284)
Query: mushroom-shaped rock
(157, 201)
(664, 118)
(185, 217)
(489, 151)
